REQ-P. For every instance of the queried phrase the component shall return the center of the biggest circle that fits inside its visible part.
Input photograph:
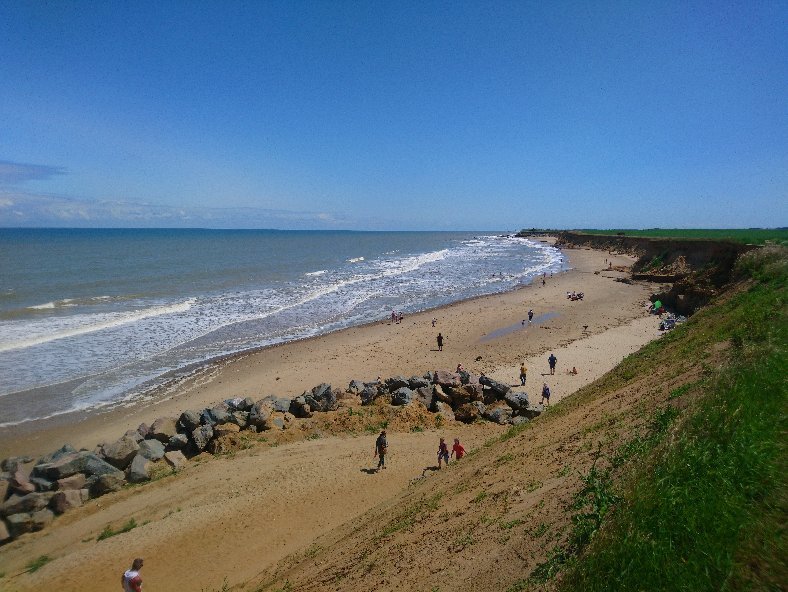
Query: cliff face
(699, 268)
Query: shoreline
(366, 351)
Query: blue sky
(388, 115)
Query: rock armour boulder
(121, 452)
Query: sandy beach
(235, 516)
(484, 334)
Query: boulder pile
(67, 478)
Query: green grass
(109, 532)
(37, 563)
(754, 236)
(705, 508)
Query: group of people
(397, 317)
(382, 447)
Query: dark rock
(465, 377)
(190, 420)
(300, 408)
(63, 501)
(457, 395)
(321, 398)
(516, 400)
(369, 394)
(120, 452)
(175, 459)
(402, 396)
(75, 482)
(531, 411)
(5, 488)
(17, 504)
(177, 442)
(42, 484)
(280, 404)
(139, 469)
(260, 412)
(429, 375)
(498, 387)
(143, 429)
(395, 382)
(500, 414)
(70, 464)
(446, 378)
(440, 394)
(241, 418)
(517, 420)
(220, 414)
(417, 382)
(10, 465)
(467, 413)
(201, 436)
(151, 449)
(425, 396)
(206, 418)
(163, 429)
(104, 484)
(481, 407)
(57, 454)
(356, 386)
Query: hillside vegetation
(669, 473)
(751, 236)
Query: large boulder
(241, 418)
(120, 453)
(531, 411)
(261, 411)
(402, 396)
(190, 420)
(417, 382)
(467, 413)
(175, 459)
(518, 419)
(499, 388)
(59, 453)
(5, 489)
(499, 413)
(356, 386)
(206, 418)
(280, 404)
(178, 442)
(443, 409)
(42, 484)
(457, 395)
(151, 449)
(139, 469)
(516, 400)
(300, 408)
(75, 482)
(425, 395)
(441, 394)
(134, 435)
(369, 393)
(42, 519)
(73, 463)
(20, 483)
(220, 413)
(446, 378)
(201, 436)
(63, 501)
(104, 484)
(32, 502)
(321, 398)
(19, 524)
(163, 429)
(395, 382)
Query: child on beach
(457, 450)
(523, 371)
(443, 453)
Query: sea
(92, 319)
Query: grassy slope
(752, 236)
(666, 474)
(707, 511)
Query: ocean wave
(79, 325)
(355, 260)
(316, 273)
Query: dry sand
(235, 516)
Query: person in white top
(131, 580)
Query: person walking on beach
(545, 395)
(523, 372)
(434, 320)
(530, 315)
(551, 361)
(439, 338)
(381, 447)
(131, 580)
(457, 450)
(443, 453)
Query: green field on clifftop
(751, 236)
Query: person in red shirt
(131, 580)
(457, 450)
